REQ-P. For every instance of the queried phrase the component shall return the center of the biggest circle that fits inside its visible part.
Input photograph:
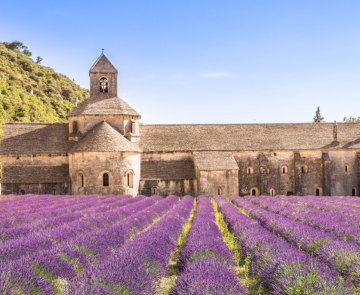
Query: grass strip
(247, 279)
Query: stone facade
(104, 150)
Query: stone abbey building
(103, 149)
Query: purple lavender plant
(280, 266)
(205, 262)
(138, 266)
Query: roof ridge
(39, 123)
(211, 124)
(101, 55)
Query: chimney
(335, 131)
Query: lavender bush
(138, 266)
(206, 263)
(345, 260)
(280, 266)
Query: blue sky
(205, 61)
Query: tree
(27, 52)
(318, 117)
(38, 60)
(351, 119)
(17, 45)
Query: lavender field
(153, 245)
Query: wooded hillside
(31, 92)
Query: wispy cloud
(212, 74)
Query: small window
(155, 190)
(75, 127)
(284, 169)
(130, 178)
(347, 168)
(353, 191)
(253, 192)
(81, 182)
(105, 179)
(219, 191)
(103, 85)
(272, 192)
(290, 193)
(317, 192)
(53, 192)
(249, 170)
(304, 169)
(268, 170)
(22, 192)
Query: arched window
(249, 170)
(103, 84)
(304, 169)
(284, 169)
(81, 180)
(22, 192)
(75, 127)
(155, 190)
(318, 191)
(272, 192)
(130, 177)
(254, 191)
(105, 179)
(353, 191)
(53, 192)
(219, 191)
(347, 168)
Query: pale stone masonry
(104, 150)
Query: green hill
(30, 92)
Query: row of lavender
(38, 263)
(341, 256)
(280, 265)
(206, 264)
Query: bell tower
(103, 78)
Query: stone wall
(51, 160)
(226, 180)
(93, 165)
(307, 171)
(35, 188)
(170, 173)
(164, 188)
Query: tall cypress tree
(318, 117)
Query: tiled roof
(248, 137)
(103, 64)
(35, 174)
(215, 160)
(104, 138)
(103, 106)
(35, 138)
(175, 169)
